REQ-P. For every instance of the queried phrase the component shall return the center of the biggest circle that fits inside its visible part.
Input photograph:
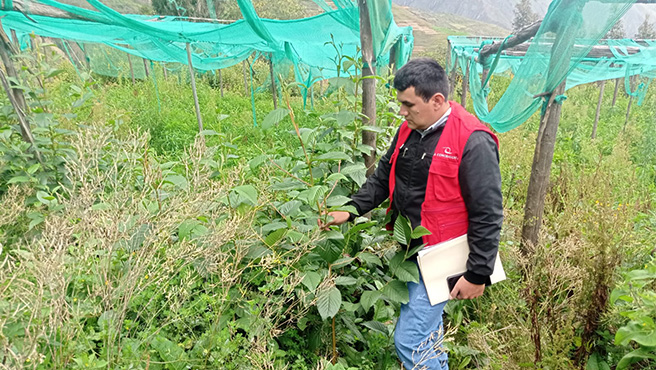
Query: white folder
(438, 262)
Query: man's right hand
(334, 218)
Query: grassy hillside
(432, 29)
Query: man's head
(422, 89)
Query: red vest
(443, 212)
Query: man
(442, 172)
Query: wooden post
(628, 112)
(465, 83)
(368, 85)
(221, 82)
(131, 69)
(596, 120)
(452, 74)
(145, 63)
(541, 170)
(392, 58)
(617, 85)
(243, 72)
(274, 92)
(193, 89)
(166, 75)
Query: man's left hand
(466, 290)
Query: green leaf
(54, 72)
(209, 133)
(311, 280)
(100, 207)
(345, 280)
(370, 259)
(274, 117)
(44, 197)
(595, 362)
(273, 226)
(33, 168)
(407, 272)
(645, 335)
(419, 231)
(169, 352)
(274, 237)
(248, 192)
(291, 208)
(357, 172)
(396, 291)
(332, 234)
(336, 177)
(635, 356)
(342, 262)
(18, 179)
(177, 181)
(402, 230)
(368, 298)
(288, 184)
(377, 326)
(328, 302)
(334, 156)
(257, 251)
(337, 200)
(344, 117)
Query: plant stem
(334, 359)
(298, 133)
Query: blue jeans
(419, 332)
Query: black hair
(424, 74)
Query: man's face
(419, 113)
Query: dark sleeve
(376, 189)
(480, 184)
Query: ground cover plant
(139, 243)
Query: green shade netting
(560, 50)
(302, 43)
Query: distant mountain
(501, 12)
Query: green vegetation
(139, 244)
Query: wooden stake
(596, 120)
(221, 82)
(274, 92)
(131, 69)
(145, 63)
(166, 75)
(193, 89)
(617, 85)
(368, 85)
(452, 74)
(465, 84)
(243, 72)
(628, 112)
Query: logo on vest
(447, 153)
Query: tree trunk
(145, 63)
(541, 170)
(596, 120)
(368, 85)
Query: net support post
(193, 88)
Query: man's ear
(438, 99)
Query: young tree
(646, 30)
(524, 15)
(617, 32)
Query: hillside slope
(431, 29)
